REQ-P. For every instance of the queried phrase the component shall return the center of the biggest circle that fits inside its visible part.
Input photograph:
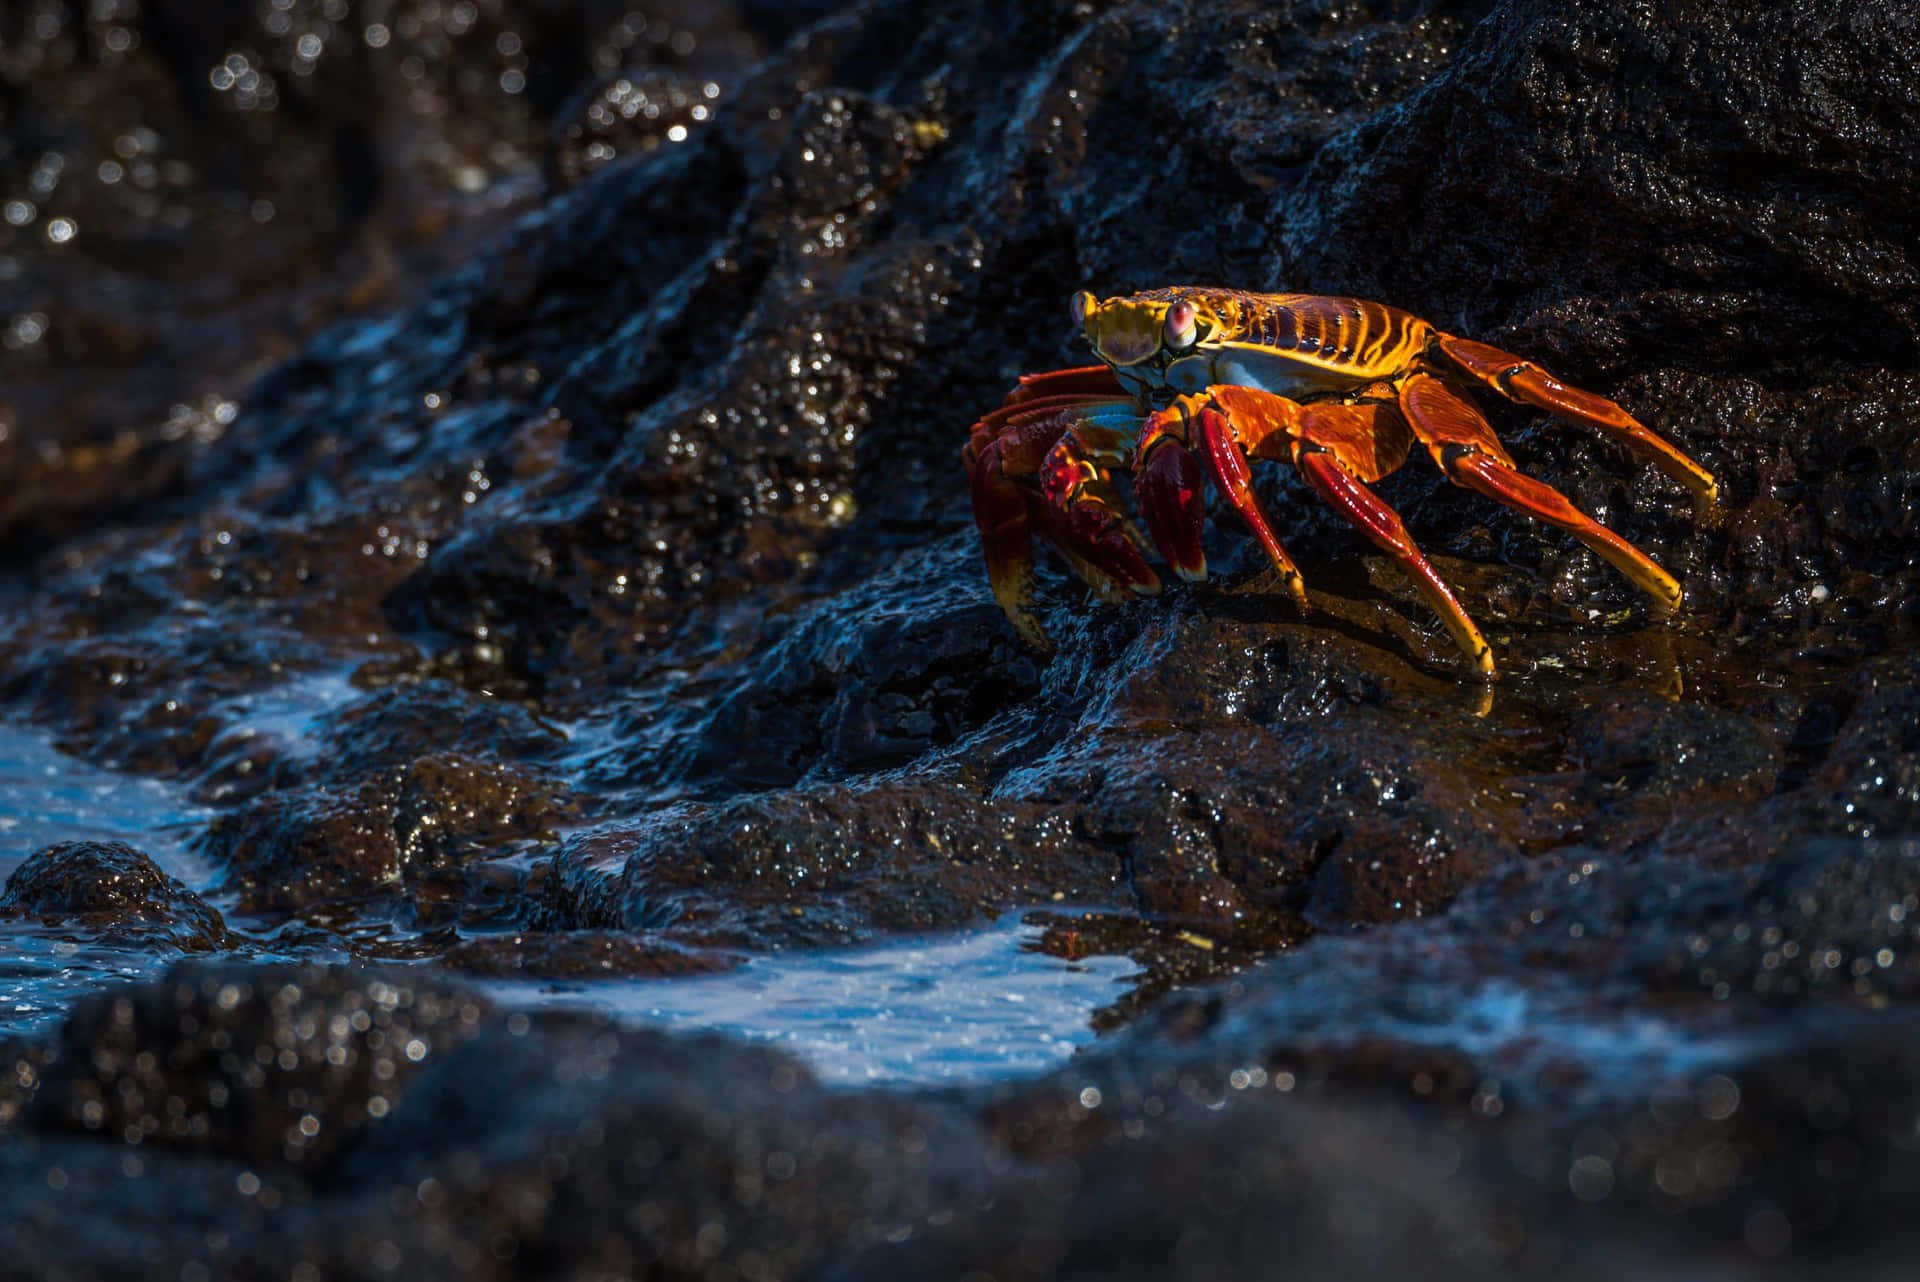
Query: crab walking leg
(1466, 449)
(1086, 381)
(1228, 463)
(1370, 438)
(1381, 523)
(1519, 379)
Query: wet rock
(276, 1065)
(21, 1063)
(646, 513)
(833, 864)
(1827, 917)
(1614, 162)
(576, 954)
(576, 1138)
(290, 849)
(1872, 772)
(294, 848)
(108, 891)
(1655, 750)
(411, 719)
(450, 808)
(1538, 1194)
(623, 116)
(131, 704)
(194, 190)
(880, 674)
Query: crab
(1196, 382)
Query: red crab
(1198, 381)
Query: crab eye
(1082, 305)
(1179, 325)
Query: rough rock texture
(506, 471)
(107, 890)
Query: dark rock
(109, 891)
(1827, 916)
(21, 1063)
(297, 848)
(410, 719)
(577, 954)
(604, 1125)
(1656, 750)
(291, 849)
(878, 675)
(269, 1064)
(837, 864)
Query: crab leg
(1000, 509)
(1086, 381)
(1370, 438)
(1519, 379)
(1382, 524)
(1227, 463)
(1034, 424)
(1466, 449)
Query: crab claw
(1094, 538)
(1171, 490)
(1085, 522)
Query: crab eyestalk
(1181, 326)
(1082, 306)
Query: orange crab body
(1196, 382)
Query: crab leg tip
(1231, 477)
(1382, 525)
(1029, 630)
(1519, 379)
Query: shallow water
(968, 1007)
(47, 797)
(963, 1007)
